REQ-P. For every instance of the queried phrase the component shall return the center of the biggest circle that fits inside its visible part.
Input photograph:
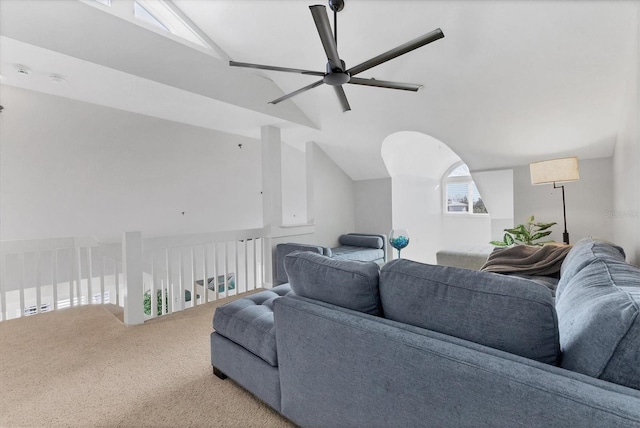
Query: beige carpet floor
(82, 367)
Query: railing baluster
(102, 271)
(3, 293)
(194, 299)
(180, 299)
(261, 270)
(226, 268)
(236, 267)
(153, 294)
(79, 275)
(255, 264)
(205, 274)
(38, 280)
(71, 274)
(21, 279)
(246, 266)
(54, 277)
(167, 302)
(215, 271)
(89, 276)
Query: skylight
(141, 13)
(104, 2)
(163, 16)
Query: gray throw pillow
(347, 283)
(503, 312)
(354, 240)
(582, 254)
(599, 322)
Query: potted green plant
(526, 234)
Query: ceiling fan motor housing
(336, 75)
(336, 5)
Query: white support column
(271, 192)
(132, 272)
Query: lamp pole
(565, 234)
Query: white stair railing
(185, 271)
(49, 274)
(148, 277)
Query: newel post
(133, 278)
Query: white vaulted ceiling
(511, 82)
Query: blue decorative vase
(398, 239)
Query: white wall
(625, 211)
(294, 185)
(587, 201)
(417, 207)
(373, 206)
(334, 202)
(496, 188)
(69, 168)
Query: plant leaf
(508, 239)
(539, 235)
(498, 243)
(544, 226)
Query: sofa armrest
(340, 367)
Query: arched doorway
(417, 163)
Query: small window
(460, 192)
(167, 17)
(104, 2)
(143, 14)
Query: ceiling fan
(337, 74)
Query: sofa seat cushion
(599, 322)
(249, 322)
(582, 254)
(362, 254)
(503, 312)
(347, 283)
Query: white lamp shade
(554, 171)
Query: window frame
(468, 179)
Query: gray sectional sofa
(364, 247)
(346, 344)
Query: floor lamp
(556, 171)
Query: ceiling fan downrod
(336, 6)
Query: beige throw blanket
(527, 260)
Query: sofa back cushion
(502, 312)
(367, 241)
(285, 248)
(347, 283)
(582, 254)
(599, 322)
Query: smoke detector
(23, 69)
(56, 78)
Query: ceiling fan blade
(396, 52)
(342, 97)
(385, 84)
(299, 91)
(273, 68)
(321, 19)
